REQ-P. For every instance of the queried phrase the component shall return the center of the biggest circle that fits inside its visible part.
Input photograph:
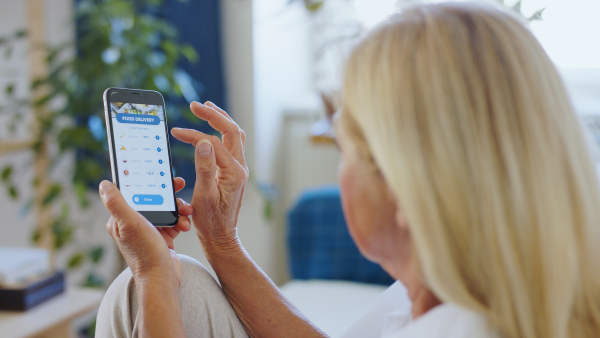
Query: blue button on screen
(148, 199)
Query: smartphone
(140, 156)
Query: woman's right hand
(221, 176)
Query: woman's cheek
(352, 206)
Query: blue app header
(138, 119)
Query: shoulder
(447, 320)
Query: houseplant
(119, 43)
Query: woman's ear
(401, 220)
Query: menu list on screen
(142, 156)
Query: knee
(195, 275)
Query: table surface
(63, 308)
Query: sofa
(332, 283)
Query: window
(569, 31)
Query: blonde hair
(468, 121)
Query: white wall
(283, 74)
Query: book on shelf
(26, 278)
(18, 265)
(33, 292)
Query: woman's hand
(148, 255)
(221, 176)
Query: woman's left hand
(221, 176)
(148, 255)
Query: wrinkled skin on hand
(148, 250)
(221, 176)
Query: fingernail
(204, 147)
(105, 186)
(196, 103)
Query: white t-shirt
(446, 320)
(390, 317)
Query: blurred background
(274, 65)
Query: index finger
(224, 113)
(224, 157)
(217, 108)
(232, 135)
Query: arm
(221, 175)
(158, 304)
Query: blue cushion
(319, 244)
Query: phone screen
(141, 156)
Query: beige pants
(204, 308)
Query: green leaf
(517, 7)
(8, 52)
(9, 89)
(537, 16)
(20, 33)
(63, 233)
(170, 49)
(6, 173)
(54, 191)
(38, 82)
(36, 236)
(75, 261)
(13, 192)
(90, 330)
(81, 192)
(96, 254)
(37, 147)
(64, 212)
(313, 5)
(190, 53)
(268, 210)
(43, 100)
(93, 281)
(154, 2)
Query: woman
(457, 133)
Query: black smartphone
(140, 156)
